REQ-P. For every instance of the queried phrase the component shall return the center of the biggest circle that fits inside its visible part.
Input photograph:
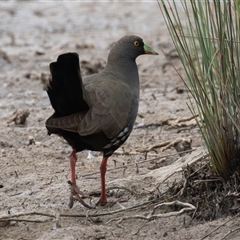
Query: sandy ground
(34, 166)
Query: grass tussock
(208, 43)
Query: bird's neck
(124, 69)
(127, 71)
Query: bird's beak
(149, 50)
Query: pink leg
(73, 160)
(75, 192)
(103, 169)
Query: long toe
(76, 191)
(75, 195)
(109, 203)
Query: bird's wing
(68, 123)
(110, 104)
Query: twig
(137, 232)
(13, 216)
(193, 216)
(119, 225)
(168, 144)
(111, 212)
(58, 220)
(157, 145)
(199, 169)
(24, 220)
(188, 207)
(112, 188)
(214, 230)
(159, 124)
(230, 232)
(171, 122)
(233, 194)
(152, 216)
(207, 180)
(182, 191)
(128, 153)
(26, 214)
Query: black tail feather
(65, 89)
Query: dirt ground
(34, 167)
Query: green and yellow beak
(149, 50)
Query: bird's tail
(65, 89)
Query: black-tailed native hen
(98, 112)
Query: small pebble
(33, 75)
(9, 95)
(38, 143)
(31, 140)
(4, 85)
(3, 152)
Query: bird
(96, 112)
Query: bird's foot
(109, 203)
(75, 195)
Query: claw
(75, 195)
